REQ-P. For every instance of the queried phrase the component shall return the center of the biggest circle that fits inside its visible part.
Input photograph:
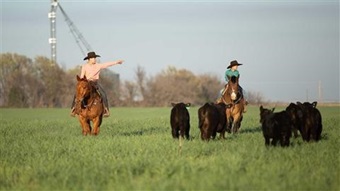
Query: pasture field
(43, 149)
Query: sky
(289, 49)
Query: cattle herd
(277, 127)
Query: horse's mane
(93, 91)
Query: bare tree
(141, 81)
(129, 92)
(172, 85)
(254, 97)
(209, 88)
(111, 83)
(35, 83)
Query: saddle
(94, 84)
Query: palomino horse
(89, 106)
(235, 105)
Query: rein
(93, 94)
(233, 102)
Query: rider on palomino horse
(232, 71)
(91, 71)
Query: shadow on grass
(148, 131)
(251, 130)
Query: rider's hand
(120, 61)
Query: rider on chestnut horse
(232, 71)
(91, 71)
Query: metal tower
(52, 15)
(80, 40)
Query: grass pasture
(43, 149)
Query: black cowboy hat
(91, 55)
(234, 63)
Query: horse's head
(232, 88)
(83, 88)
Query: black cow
(222, 122)
(212, 119)
(180, 120)
(296, 115)
(307, 119)
(276, 126)
(312, 121)
(265, 112)
(315, 120)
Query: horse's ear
(314, 103)
(78, 78)
(84, 78)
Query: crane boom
(76, 33)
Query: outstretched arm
(108, 64)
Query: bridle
(233, 96)
(82, 99)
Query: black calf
(275, 126)
(180, 120)
(307, 119)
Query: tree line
(26, 82)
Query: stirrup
(106, 112)
(245, 107)
(73, 112)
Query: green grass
(43, 149)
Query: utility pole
(80, 40)
(52, 15)
(320, 92)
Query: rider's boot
(73, 112)
(106, 112)
(244, 107)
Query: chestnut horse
(235, 105)
(89, 106)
